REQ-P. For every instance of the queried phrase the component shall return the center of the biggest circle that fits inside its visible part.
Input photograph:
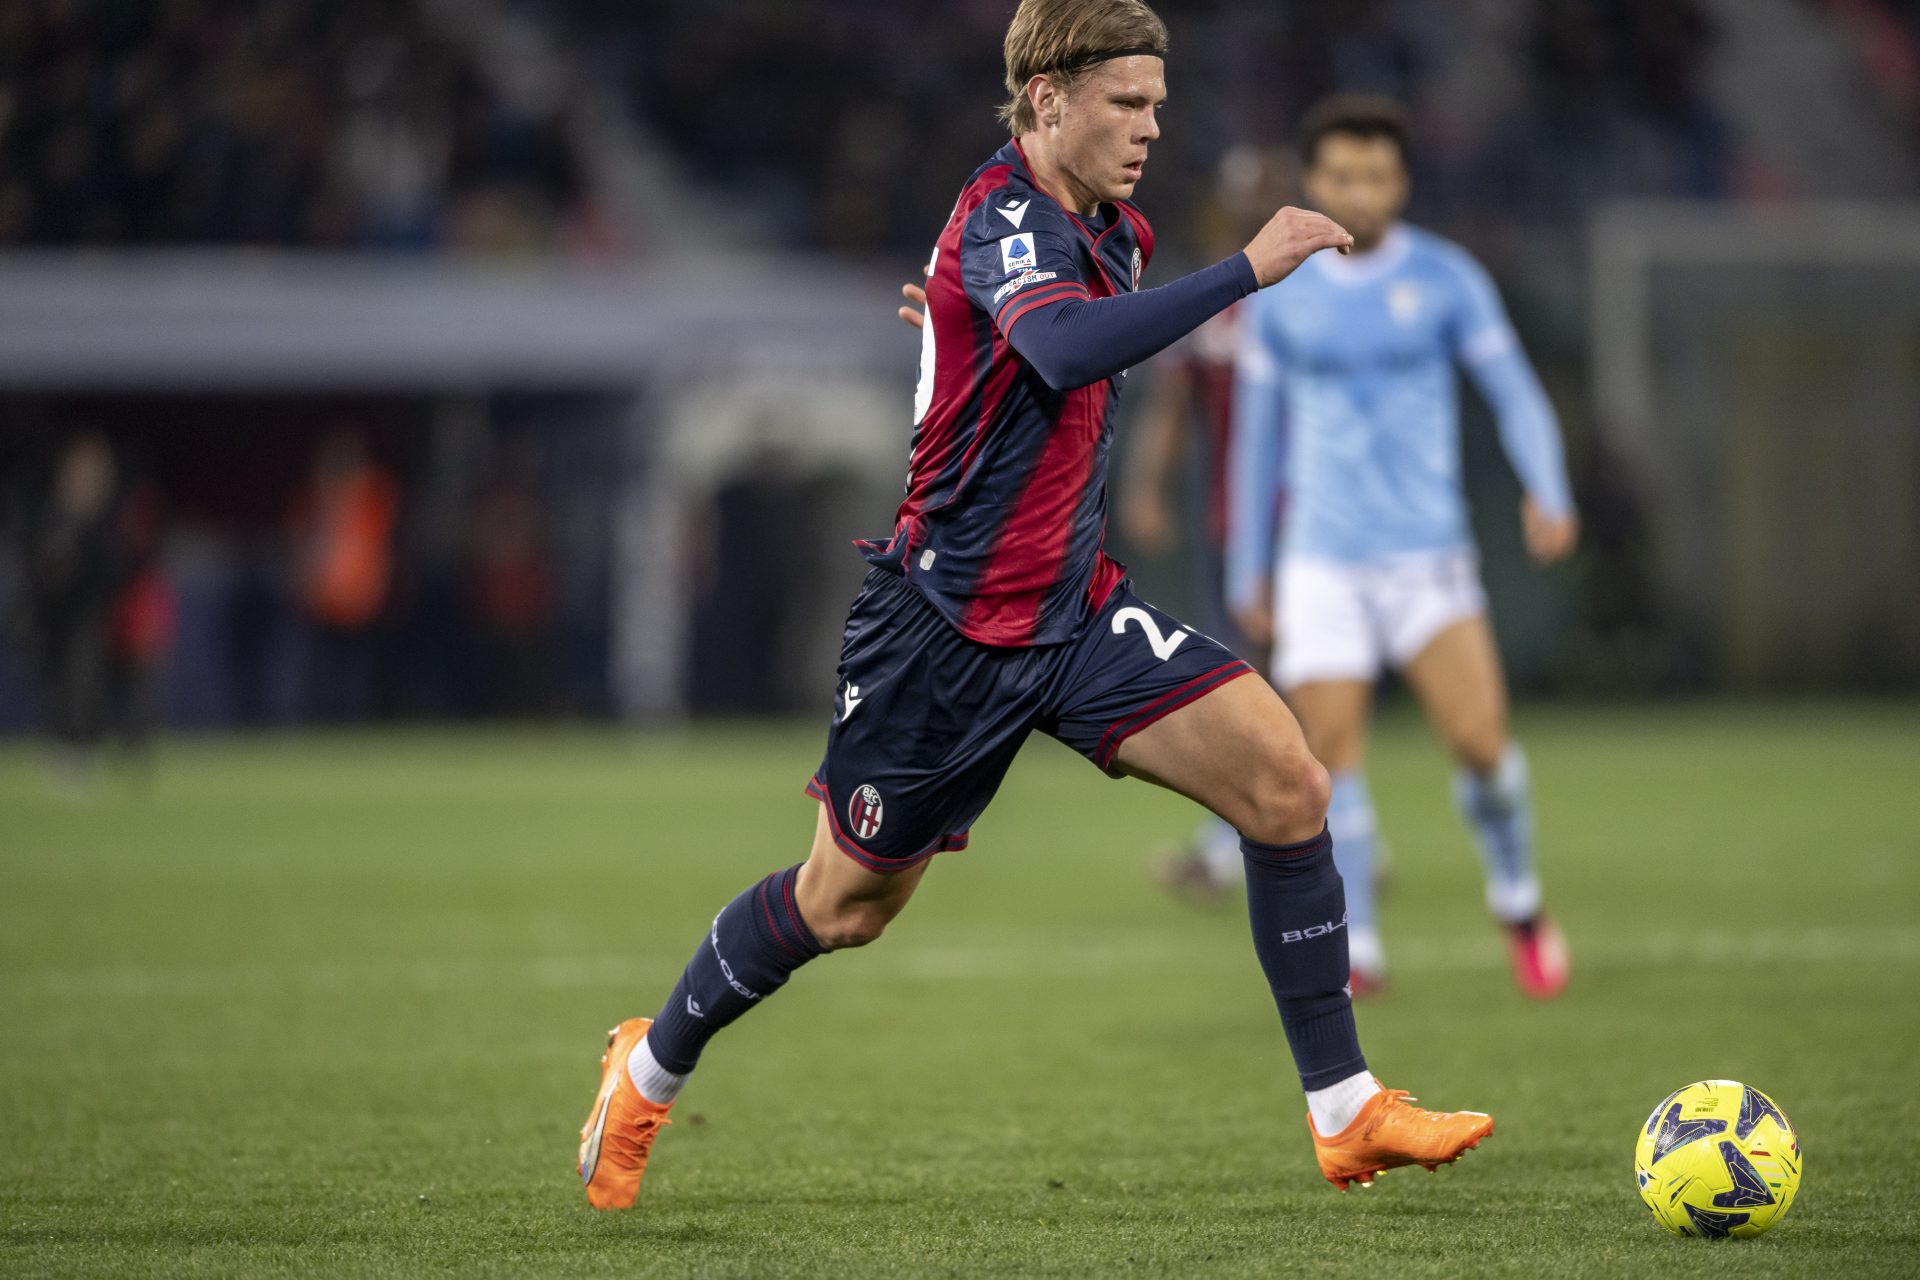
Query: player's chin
(1123, 186)
(1367, 232)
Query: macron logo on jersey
(1017, 254)
(1014, 212)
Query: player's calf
(850, 925)
(1498, 807)
(1298, 910)
(846, 905)
(748, 953)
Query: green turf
(334, 1004)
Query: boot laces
(1400, 1098)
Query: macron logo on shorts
(852, 701)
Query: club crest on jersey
(1404, 300)
(1136, 268)
(864, 811)
(1018, 254)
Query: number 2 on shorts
(1162, 645)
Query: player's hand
(1255, 619)
(1550, 539)
(1147, 521)
(1290, 237)
(916, 314)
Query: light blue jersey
(1345, 401)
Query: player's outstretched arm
(1058, 368)
(1076, 342)
(1529, 428)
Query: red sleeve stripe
(1046, 297)
(1061, 288)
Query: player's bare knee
(1289, 798)
(1311, 788)
(1481, 748)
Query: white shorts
(1342, 621)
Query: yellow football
(1717, 1158)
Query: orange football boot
(620, 1129)
(1390, 1132)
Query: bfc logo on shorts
(864, 812)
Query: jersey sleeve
(1486, 344)
(1016, 257)
(1030, 281)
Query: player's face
(1106, 123)
(1361, 183)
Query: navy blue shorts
(926, 721)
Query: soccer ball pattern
(1717, 1158)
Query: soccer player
(1346, 404)
(991, 611)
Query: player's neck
(1053, 178)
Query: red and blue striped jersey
(1006, 504)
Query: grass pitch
(334, 1004)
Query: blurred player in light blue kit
(1348, 542)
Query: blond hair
(1055, 38)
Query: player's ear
(1045, 98)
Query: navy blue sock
(755, 943)
(1299, 911)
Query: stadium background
(577, 317)
(610, 299)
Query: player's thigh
(1141, 694)
(1333, 715)
(844, 903)
(1460, 684)
(1239, 752)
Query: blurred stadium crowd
(351, 585)
(370, 569)
(323, 123)
(1524, 111)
